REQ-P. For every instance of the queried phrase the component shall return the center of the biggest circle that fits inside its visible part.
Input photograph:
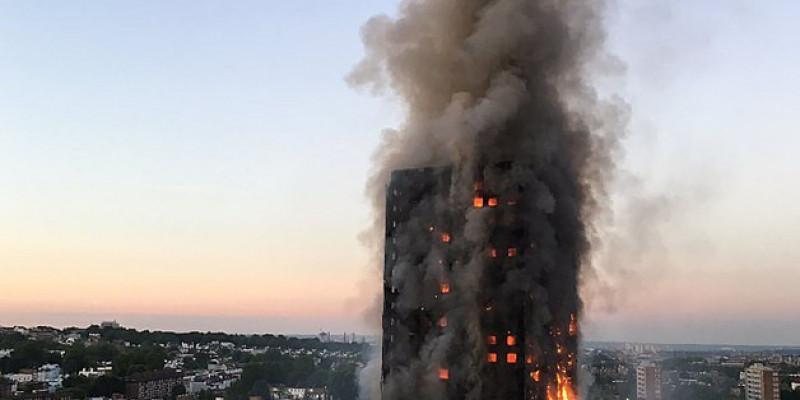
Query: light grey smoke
(487, 82)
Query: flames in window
(446, 237)
(442, 322)
(444, 374)
(444, 287)
(477, 202)
(511, 340)
(511, 358)
(492, 340)
(491, 357)
(573, 325)
(512, 251)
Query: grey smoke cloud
(485, 82)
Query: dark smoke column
(484, 195)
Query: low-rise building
(152, 385)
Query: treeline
(125, 361)
(274, 369)
(204, 338)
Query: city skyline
(176, 166)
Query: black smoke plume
(488, 83)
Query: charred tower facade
(480, 284)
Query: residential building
(152, 385)
(459, 317)
(762, 383)
(648, 381)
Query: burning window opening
(491, 357)
(573, 325)
(492, 340)
(477, 202)
(444, 287)
(512, 251)
(511, 340)
(443, 322)
(444, 374)
(446, 237)
(529, 359)
(493, 202)
(511, 358)
(536, 375)
(493, 252)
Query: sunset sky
(200, 165)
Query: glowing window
(529, 359)
(511, 340)
(492, 339)
(493, 253)
(442, 322)
(477, 202)
(446, 237)
(511, 358)
(512, 251)
(493, 202)
(536, 375)
(491, 357)
(573, 325)
(444, 287)
(444, 374)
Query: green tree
(343, 383)
(176, 391)
(260, 389)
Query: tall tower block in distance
(480, 287)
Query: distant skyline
(191, 165)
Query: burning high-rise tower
(484, 194)
(467, 287)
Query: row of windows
(511, 340)
(511, 358)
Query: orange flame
(444, 374)
(477, 202)
(573, 325)
(445, 288)
(511, 358)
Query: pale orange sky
(197, 173)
